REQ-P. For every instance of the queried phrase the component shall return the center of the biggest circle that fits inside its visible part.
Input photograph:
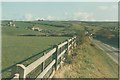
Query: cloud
(28, 16)
(52, 18)
(107, 8)
(66, 13)
(38, 18)
(83, 16)
(103, 7)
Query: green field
(26, 49)
(17, 49)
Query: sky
(82, 11)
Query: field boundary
(58, 56)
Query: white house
(36, 29)
(11, 24)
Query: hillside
(107, 32)
(90, 62)
(24, 49)
(28, 45)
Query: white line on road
(103, 49)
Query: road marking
(116, 61)
(103, 45)
(111, 51)
(111, 47)
(97, 43)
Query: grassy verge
(90, 62)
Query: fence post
(72, 42)
(43, 64)
(68, 46)
(21, 71)
(56, 55)
(75, 38)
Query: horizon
(64, 20)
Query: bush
(80, 37)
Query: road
(109, 50)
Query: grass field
(16, 49)
(23, 47)
(20, 48)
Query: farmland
(22, 44)
(18, 48)
(107, 32)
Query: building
(36, 29)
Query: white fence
(57, 53)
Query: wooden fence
(58, 53)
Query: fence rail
(57, 53)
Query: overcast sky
(87, 11)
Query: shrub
(80, 37)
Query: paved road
(109, 50)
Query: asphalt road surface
(109, 50)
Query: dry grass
(90, 62)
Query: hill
(27, 45)
(90, 62)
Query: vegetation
(24, 49)
(108, 37)
(27, 45)
(107, 32)
(90, 62)
(80, 37)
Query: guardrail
(57, 53)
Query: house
(11, 24)
(14, 25)
(36, 29)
